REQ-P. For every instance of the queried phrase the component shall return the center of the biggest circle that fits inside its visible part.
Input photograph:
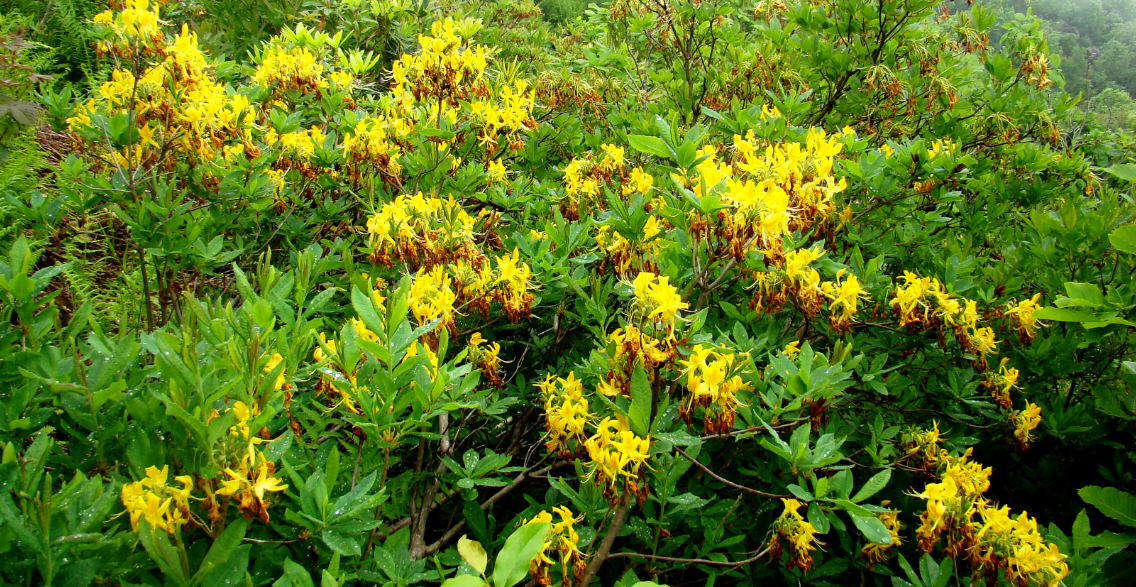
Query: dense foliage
(660, 292)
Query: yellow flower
(656, 297)
(799, 535)
(431, 298)
(1021, 317)
(164, 508)
(496, 172)
(565, 411)
(265, 482)
(1025, 422)
(845, 296)
(269, 367)
(613, 157)
(617, 454)
(562, 539)
(640, 182)
(318, 354)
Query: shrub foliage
(657, 292)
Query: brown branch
(691, 561)
(453, 531)
(608, 539)
(730, 483)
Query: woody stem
(608, 539)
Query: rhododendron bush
(680, 292)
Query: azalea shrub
(672, 292)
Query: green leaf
(223, 547)
(366, 309)
(473, 553)
(520, 549)
(1124, 238)
(1125, 171)
(297, 575)
(872, 528)
(157, 545)
(852, 508)
(1064, 315)
(464, 581)
(1108, 539)
(232, 572)
(640, 412)
(873, 486)
(650, 145)
(340, 543)
(1087, 292)
(1112, 502)
(817, 518)
(907, 570)
(77, 574)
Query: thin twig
(730, 483)
(691, 561)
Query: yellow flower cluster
(495, 172)
(713, 383)
(445, 69)
(951, 502)
(486, 359)
(586, 176)
(326, 384)
(175, 102)
(802, 280)
(631, 256)
(281, 380)
(422, 229)
(641, 182)
(1021, 318)
(845, 295)
(440, 236)
(799, 282)
(137, 21)
(768, 191)
(652, 344)
(375, 142)
(510, 118)
(565, 412)
(618, 456)
(432, 299)
(924, 445)
(289, 68)
(301, 146)
(877, 553)
(513, 286)
(284, 70)
(1017, 540)
(657, 301)
(924, 301)
(633, 346)
(1025, 421)
(1001, 383)
(940, 146)
(447, 74)
(563, 540)
(250, 474)
(164, 507)
(250, 487)
(793, 533)
(999, 541)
